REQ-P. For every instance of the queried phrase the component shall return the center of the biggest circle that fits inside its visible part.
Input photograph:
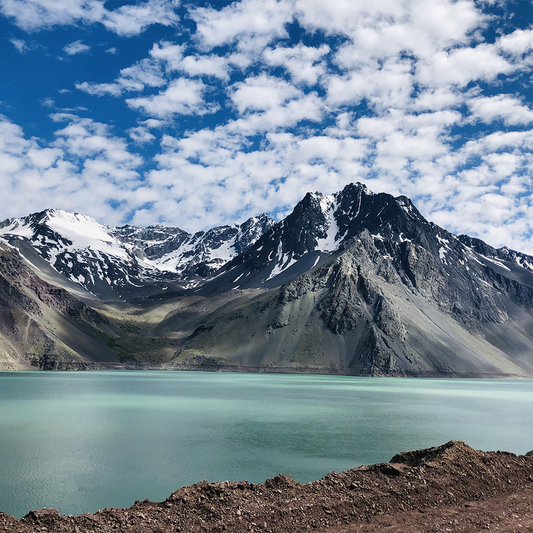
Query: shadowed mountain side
(44, 325)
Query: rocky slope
(354, 282)
(45, 326)
(396, 295)
(449, 488)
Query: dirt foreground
(449, 488)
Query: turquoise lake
(89, 440)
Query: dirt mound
(384, 497)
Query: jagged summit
(321, 225)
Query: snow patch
(329, 243)
(496, 262)
(442, 254)
(522, 262)
(16, 228)
(281, 267)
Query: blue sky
(203, 113)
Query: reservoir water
(85, 441)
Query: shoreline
(418, 486)
(83, 366)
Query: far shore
(85, 366)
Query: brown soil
(449, 488)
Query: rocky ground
(449, 488)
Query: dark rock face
(354, 282)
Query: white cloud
(127, 20)
(517, 43)
(84, 169)
(168, 53)
(302, 62)
(251, 24)
(143, 74)
(154, 123)
(77, 47)
(48, 102)
(261, 93)
(205, 66)
(100, 89)
(384, 86)
(165, 58)
(84, 138)
(435, 99)
(387, 28)
(141, 135)
(20, 45)
(172, 58)
(511, 111)
(24, 46)
(131, 20)
(181, 97)
(463, 65)
(277, 115)
(33, 15)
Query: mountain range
(348, 283)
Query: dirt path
(448, 488)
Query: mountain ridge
(95, 255)
(354, 282)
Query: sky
(201, 113)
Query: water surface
(89, 440)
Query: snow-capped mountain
(200, 254)
(353, 282)
(361, 282)
(320, 225)
(106, 260)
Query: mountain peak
(109, 261)
(51, 214)
(353, 282)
